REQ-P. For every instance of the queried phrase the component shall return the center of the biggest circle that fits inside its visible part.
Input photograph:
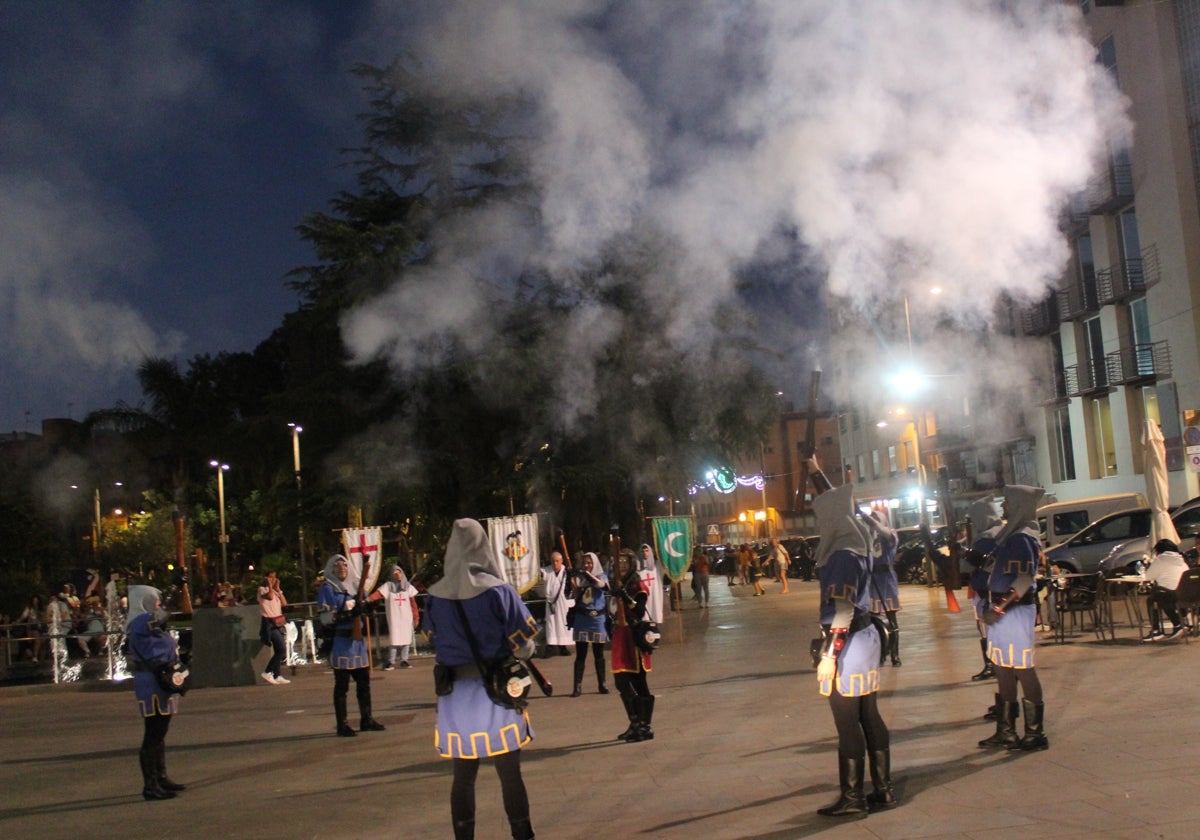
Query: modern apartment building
(1120, 331)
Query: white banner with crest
(515, 539)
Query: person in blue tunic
(150, 646)
(1011, 616)
(470, 725)
(985, 524)
(338, 606)
(848, 673)
(589, 621)
(885, 586)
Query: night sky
(155, 159)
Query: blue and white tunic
(348, 653)
(845, 576)
(1011, 640)
(469, 724)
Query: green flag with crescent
(673, 544)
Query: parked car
(1059, 521)
(910, 553)
(1123, 558)
(1085, 551)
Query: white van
(1059, 521)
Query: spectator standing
(33, 619)
(700, 577)
(783, 561)
(271, 627)
(473, 600)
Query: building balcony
(1041, 318)
(1085, 379)
(1076, 301)
(1139, 363)
(1109, 190)
(1129, 279)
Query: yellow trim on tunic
(511, 739)
(860, 684)
(1013, 659)
(348, 663)
(172, 706)
(586, 636)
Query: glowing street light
(296, 430)
(224, 539)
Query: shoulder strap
(462, 615)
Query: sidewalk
(744, 746)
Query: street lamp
(296, 430)
(224, 539)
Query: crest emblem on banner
(515, 539)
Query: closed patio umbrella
(1158, 491)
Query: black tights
(1007, 679)
(632, 685)
(859, 724)
(512, 788)
(155, 732)
(581, 649)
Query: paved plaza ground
(745, 746)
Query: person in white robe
(556, 580)
(400, 600)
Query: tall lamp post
(296, 430)
(224, 539)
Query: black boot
(579, 664)
(645, 714)
(883, 796)
(151, 788)
(1006, 726)
(600, 678)
(1035, 736)
(895, 647)
(161, 761)
(521, 830)
(851, 803)
(988, 672)
(630, 701)
(993, 712)
(339, 712)
(464, 830)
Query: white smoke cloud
(57, 246)
(908, 144)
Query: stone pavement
(745, 746)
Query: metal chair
(1187, 600)
(1079, 596)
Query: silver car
(1123, 558)
(1085, 551)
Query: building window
(862, 467)
(1062, 449)
(1104, 449)
(1106, 54)
(893, 462)
(1093, 338)
(910, 461)
(874, 463)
